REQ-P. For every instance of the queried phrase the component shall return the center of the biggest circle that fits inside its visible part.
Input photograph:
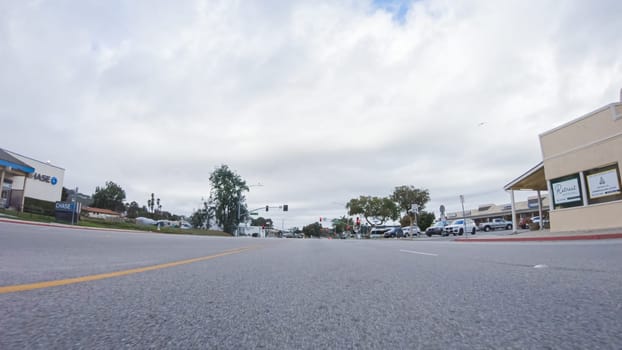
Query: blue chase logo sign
(65, 207)
(46, 178)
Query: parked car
(413, 230)
(394, 232)
(458, 227)
(377, 232)
(436, 229)
(541, 223)
(496, 224)
(536, 220)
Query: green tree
(260, 221)
(314, 229)
(203, 217)
(227, 191)
(342, 223)
(151, 203)
(133, 210)
(110, 197)
(405, 196)
(425, 220)
(378, 209)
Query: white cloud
(319, 101)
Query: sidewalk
(546, 235)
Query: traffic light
(285, 208)
(320, 219)
(267, 207)
(358, 221)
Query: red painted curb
(546, 238)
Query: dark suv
(436, 229)
(394, 232)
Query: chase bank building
(24, 177)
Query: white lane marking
(540, 266)
(414, 252)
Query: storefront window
(567, 191)
(603, 184)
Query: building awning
(8, 161)
(533, 180)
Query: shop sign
(532, 203)
(65, 206)
(603, 184)
(567, 190)
(45, 178)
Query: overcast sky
(319, 101)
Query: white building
(44, 183)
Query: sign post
(73, 200)
(414, 209)
(463, 217)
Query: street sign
(414, 207)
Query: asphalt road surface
(110, 290)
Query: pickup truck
(496, 224)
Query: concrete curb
(544, 238)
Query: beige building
(580, 169)
(523, 210)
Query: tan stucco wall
(593, 217)
(587, 158)
(592, 141)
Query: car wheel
(487, 228)
(508, 227)
(473, 231)
(461, 232)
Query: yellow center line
(101, 276)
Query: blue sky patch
(399, 8)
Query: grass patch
(119, 224)
(27, 216)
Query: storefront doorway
(5, 195)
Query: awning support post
(540, 211)
(2, 184)
(21, 208)
(513, 212)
